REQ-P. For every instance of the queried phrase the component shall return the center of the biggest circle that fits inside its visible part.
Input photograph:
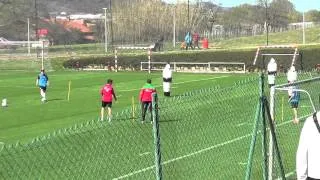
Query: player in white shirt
(308, 153)
(292, 75)
(272, 71)
(167, 79)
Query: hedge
(310, 57)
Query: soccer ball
(4, 102)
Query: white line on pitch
(178, 83)
(287, 175)
(1, 142)
(242, 163)
(241, 124)
(195, 153)
(145, 153)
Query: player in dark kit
(146, 98)
(43, 81)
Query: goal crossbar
(277, 54)
(207, 65)
(148, 48)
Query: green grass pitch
(205, 134)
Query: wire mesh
(204, 134)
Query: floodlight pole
(28, 36)
(267, 21)
(105, 31)
(174, 27)
(42, 55)
(188, 13)
(303, 29)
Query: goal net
(287, 132)
(24, 55)
(198, 67)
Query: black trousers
(144, 107)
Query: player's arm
(114, 94)
(47, 79)
(37, 81)
(141, 94)
(101, 91)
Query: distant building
(299, 25)
(81, 22)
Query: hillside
(312, 36)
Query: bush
(310, 57)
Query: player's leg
(295, 112)
(150, 109)
(44, 90)
(144, 106)
(103, 106)
(109, 111)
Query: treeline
(138, 21)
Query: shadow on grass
(56, 99)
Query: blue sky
(301, 5)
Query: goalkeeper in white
(272, 72)
(167, 79)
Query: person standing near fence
(43, 82)
(292, 75)
(107, 96)
(167, 79)
(294, 102)
(188, 40)
(195, 38)
(146, 99)
(272, 72)
(308, 153)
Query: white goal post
(197, 67)
(293, 47)
(148, 48)
(309, 93)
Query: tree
(313, 16)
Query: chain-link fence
(203, 134)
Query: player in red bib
(107, 95)
(146, 98)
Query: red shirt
(196, 37)
(146, 93)
(107, 93)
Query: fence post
(255, 128)
(156, 135)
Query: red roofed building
(80, 25)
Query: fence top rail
(279, 54)
(296, 83)
(191, 63)
(135, 47)
(279, 46)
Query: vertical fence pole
(42, 55)
(149, 60)
(270, 162)
(274, 138)
(255, 129)
(116, 59)
(156, 135)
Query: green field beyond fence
(204, 133)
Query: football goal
(282, 115)
(197, 67)
(33, 54)
(117, 49)
(285, 55)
